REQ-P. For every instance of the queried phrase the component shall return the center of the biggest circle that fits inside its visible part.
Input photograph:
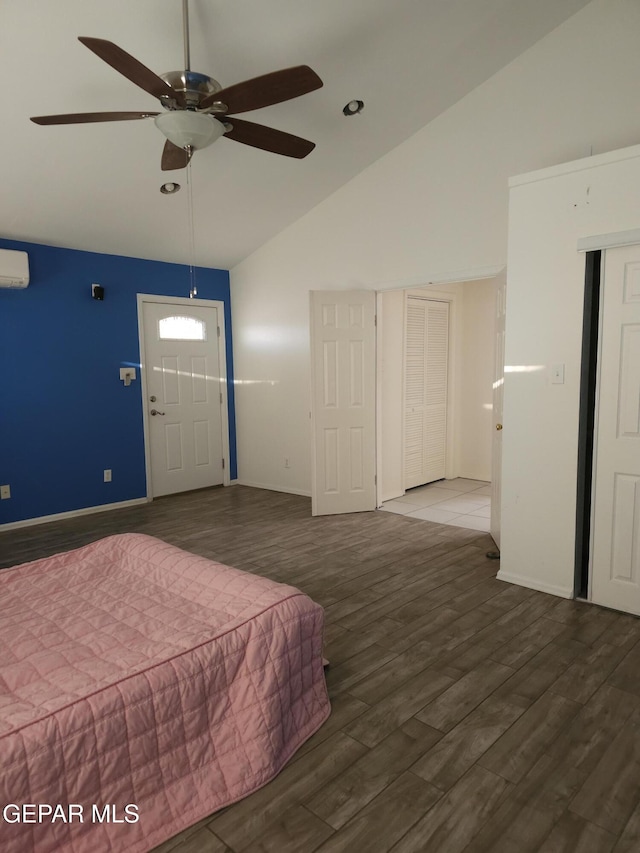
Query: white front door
(183, 396)
(426, 367)
(343, 404)
(615, 551)
(498, 397)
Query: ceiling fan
(197, 109)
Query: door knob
(153, 398)
(498, 426)
(156, 412)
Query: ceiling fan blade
(264, 91)
(81, 118)
(174, 157)
(268, 138)
(133, 70)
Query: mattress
(143, 688)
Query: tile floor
(460, 502)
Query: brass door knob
(498, 426)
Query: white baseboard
(270, 488)
(60, 516)
(532, 583)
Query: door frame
(143, 298)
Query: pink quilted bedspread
(141, 689)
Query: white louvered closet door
(425, 390)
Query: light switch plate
(127, 373)
(557, 374)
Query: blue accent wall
(65, 415)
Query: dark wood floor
(468, 714)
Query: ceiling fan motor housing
(193, 85)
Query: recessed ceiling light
(353, 108)
(169, 188)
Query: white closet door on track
(425, 390)
(615, 552)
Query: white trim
(378, 356)
(270, 488)
(60, 516)
(573, 166)
(480, 479)
(609, 241)
(451, 277)
(534, 583)
(222, 364)
(145, 396)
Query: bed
(143, 688)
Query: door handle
(498, 426)
(156, 412)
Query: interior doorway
(474, 374)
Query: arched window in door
(181, 328)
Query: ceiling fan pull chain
(193, 290)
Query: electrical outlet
(107, 475)
(5, 492)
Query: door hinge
(218, 331)
(375, 479)
(223, 466)
(221, 398)
(375, 319)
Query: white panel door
(615, 551)
(184, 396)
(498, 397)
(343, 405)
(425, 390)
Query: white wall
(549, 213)
(436, 204)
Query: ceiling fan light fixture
(188, 129)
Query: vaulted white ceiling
(96, 186)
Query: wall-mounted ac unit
(14, 268)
